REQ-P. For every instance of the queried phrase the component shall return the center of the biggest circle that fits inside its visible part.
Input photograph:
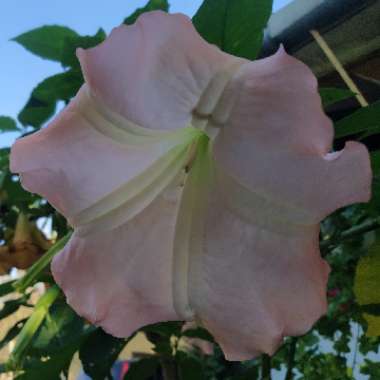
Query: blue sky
(21, 71)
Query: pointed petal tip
(112, 72)
(80, 52)
(110, 331)
(164, 15)
(241, 354)
(281, 49)
(183, 18)
(281, 53)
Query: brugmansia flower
(195, 182)
(26, 247)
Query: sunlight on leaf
(236, 26)
(367, 288)
(33, 323)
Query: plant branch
(351, 233)
(169, 369)
(266, 367)
(291, 359)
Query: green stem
(25, 337)
(266, 367)
(351, 233)
(291, 359)
(169, 369)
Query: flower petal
(188, 239)
(272, 281)
(277, 139)
(76, 167)
(246, 240)
(120, 279)
(94, 147)
(255, 270)
(274, 181)
(161, 49)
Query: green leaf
(15, 194)
(53, 345)
(162, 346)
(199, 333)
(36, 270)
(366, 119)
(42, 103)
(26, 335)
(371, 368)
(71, 44)
(249, 374)
(374, 204)
(62, 86)
(331, 95)
(12, 333)
(160, 334)
(36, 112)
(165, 329)
(46, 41)
(12, 306)
(143, 369)
(190, 368)
(98, 353)
(371, 308)
(375, 161)
(236, 26)
(152, 5)
(7, 287)
(4, 158)
(7, 124)
(367, 288)
(4, 170)
(61, 328)
(49, 368)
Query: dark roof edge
(291, 25)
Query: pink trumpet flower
(195, 182)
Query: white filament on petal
(188, 239)
(182, 149)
